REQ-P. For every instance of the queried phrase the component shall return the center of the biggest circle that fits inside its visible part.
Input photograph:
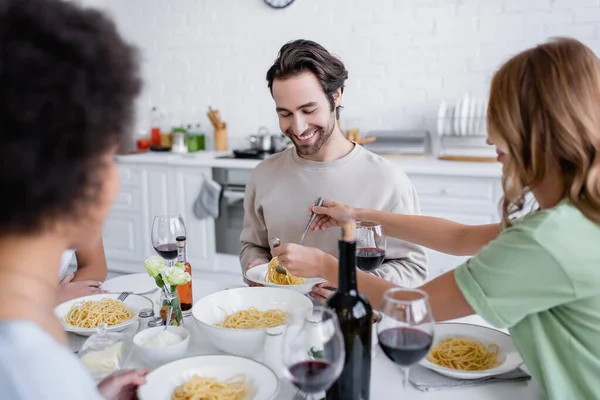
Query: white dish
(508, 354)
(262, 381)
(135, 283)
(456, 118)
(162, 355)
(441, 121)
(258, 275)
(464, 115)
(244, 342)
(133, 303)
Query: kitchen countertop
(410, 165)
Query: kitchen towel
(427, 380)
(208, 204)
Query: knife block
(220, 139)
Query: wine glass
(370, 245)
(165, 230)
(405, 332)
(313, 350)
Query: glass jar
(171, 298)
(103, 353)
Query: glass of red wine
(406, 330)
(313, 350)
(165, 229)
(370, 245)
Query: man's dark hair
(300, 56)
(68, 82)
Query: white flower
(154, 265)
(175, 276)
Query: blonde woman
(67, 87)
(538, 275)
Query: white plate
(508, 353)
(262, 381)
(258, 274)
(441, 121)
(136, 283)
(133, 303)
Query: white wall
(403, 57)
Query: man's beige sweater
(283, 187)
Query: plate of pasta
(266, 275)
(216, 377)
(466, 351)
(83, 315)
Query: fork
(123, 296)
(300, 395)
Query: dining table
(386, 377)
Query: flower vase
(171, 298)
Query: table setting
(276, 342)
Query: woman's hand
(68, 290)
(122, 385)
(330, 214)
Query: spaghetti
(205, 388)
(89, 314)
(464, 354)
(253, 318)
(281, 279)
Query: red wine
(167, 251)
(312, 376)
(369, 258)
(405, 346)
(356, 320)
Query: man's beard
(323, 135)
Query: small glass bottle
(144, 315)
(184, 291)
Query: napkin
(427, 380)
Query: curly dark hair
(302, 55)
(68, 83)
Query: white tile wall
(403, 57)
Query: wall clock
(278, 3)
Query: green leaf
(316, 353)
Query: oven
(228, 227)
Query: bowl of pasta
(267, 275)
(467, 351)
(236, 320)
(83, 315)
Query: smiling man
(307, 83)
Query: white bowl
(133, 303)
(263, 383)
(159, 356)
(258, 275)
(244, 342)
(508, 354)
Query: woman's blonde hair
(544, 107)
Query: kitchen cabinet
(148, 190)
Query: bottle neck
(181, 257)
(347, 270)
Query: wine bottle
(356, 319)
(184, 291)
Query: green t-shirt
(541, 279)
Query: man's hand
(322, 291)
(70, 290)
(122, 385)
(305, 262)
(253, 264)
